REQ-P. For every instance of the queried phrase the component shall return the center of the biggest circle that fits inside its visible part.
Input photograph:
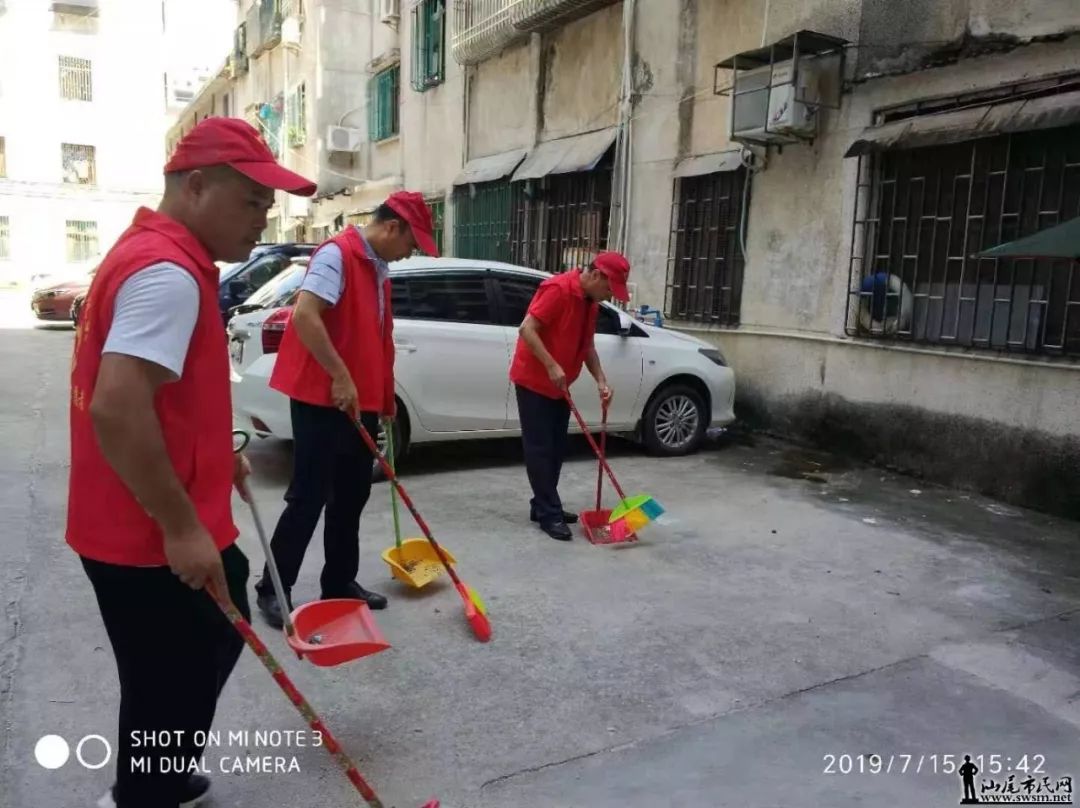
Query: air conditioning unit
(390, 11)
(344, 139)
(290, 31)
(769, 104)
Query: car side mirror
(625, 324)
(239, 290)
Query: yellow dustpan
(412, 561)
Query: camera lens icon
(52, 752)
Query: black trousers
(174, 652)
(332, 468)
(544, 424)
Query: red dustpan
(326, 632)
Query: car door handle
(404, 347)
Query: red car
(53, 303)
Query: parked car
(456, 327)
(77, 305)
(53, 303)
(248, 338)
(238, 282)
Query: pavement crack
(554, 763)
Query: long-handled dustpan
(632, 513)
(310, 716)
(412, 561)
(595, 523)
(326, 632)
(475, 611)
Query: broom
(632, 513)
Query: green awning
(1060, 241)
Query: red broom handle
(603, 450)
(392, 477)
(595, 448)
(301, 704)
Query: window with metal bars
(76, 79)
(482, 221)
(298, 116)
(383, 89)
(561, 221)
(429, 44)
(921, 215)
(5, 237)
(79, 163)
(705, 261)
(438, 210)
(82, 240)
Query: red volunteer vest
(353, 326)
(567, 335)
(105, 521)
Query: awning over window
(566, 155)
(74, 6)
(971, 123)
(490, 168)
(709, 164)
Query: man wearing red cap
(336, 365)
(556, 339)
(152, 466)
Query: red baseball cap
(237, 144)
(411, 207)
(616, 269)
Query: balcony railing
(482, 28)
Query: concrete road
(798, 632)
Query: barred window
(429, 44)
(561, 221)
(925, 211)
(82, 240)
(5, 237)
(79, 163)
(705, 258)
(76, 80)
(382, 102)
(438, 212)
(482, 221)
(298, 116)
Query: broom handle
(603, 450)
(314, 721)
(392, 477)
(271, 562)
(595, 448)
(388, 425)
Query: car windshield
(277, 291)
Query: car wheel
(401, 446)
(674, 421)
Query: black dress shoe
(567, 517)
(356, 592)
(557, 530)
(270, 608)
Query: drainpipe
(623, 177)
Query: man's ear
(196, 182)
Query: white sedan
(456, 327)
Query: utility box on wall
(778, 91)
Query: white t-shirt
(154, 316)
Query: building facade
(820, 232)
(82, 108)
